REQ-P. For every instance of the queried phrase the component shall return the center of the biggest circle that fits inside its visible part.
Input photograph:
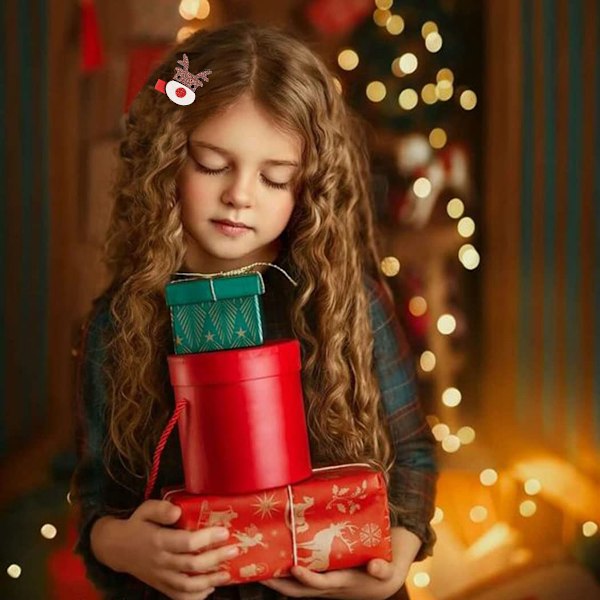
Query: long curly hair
(329, 241)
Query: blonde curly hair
(329, 241)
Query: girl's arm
(414, 474)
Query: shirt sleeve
(91, 484)
(414, 474)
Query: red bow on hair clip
(182, 88)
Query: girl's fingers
(179, 583)
(200, 563)
(180, 540)
(381, 569)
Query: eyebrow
(270, 161)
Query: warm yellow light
(438, 516)
(421, 579)
(432, 420)
(48, 531)
(428, 27)
(204, 10)
(527, 508)
(381, 17)
(466, 227)
(384, 4)
(433, 42)
(408, 63)
(428, 93)
(451, 443)
(445, 75)
(408, 99)
(440, 431)
(184, 32)
(498, 536)
(417, 306)
(396, 70)
(427, 361)
(395, 25)
(376, 91)
(455, 208)
(589, 528)
(488, 477)
(188, 9)
(422, 187)
(468, 100)
(446, 324)
(438, 138)
(348, 59)
(444, 90)
(470, 259)
(338, 85)
(390, 266)
(14, 571)
(466, 435)
(478, 514)
(532, 487)
(451, 397)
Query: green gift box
(219, 313)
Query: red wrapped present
(340, 519)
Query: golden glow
(408, 63)
(14, 571)
(428, 94)
(422, 187)
(438, 516)
(470, 258)
(455, 208)
(390, 266)
(408, 99)
(468, 100)
(428, 27)
(184, 32)
(438, 138)
(381, 17)
(433, 42)
(396, 70)
(446, 324)
(376, 91)
(589, 528)
(499, 535)
(395, 25)
(444, 90)
(348, 59)
(338, 85)
(451, 397)
(384, 4)
(204, 10)
(478, 514)
(451, 443)
(466, 435)
(445, 75)
(532, 487)
(421, 579)
(417, 306)
(427, 361)
(188, 9)
(488, 477)
(432, 420)
(527, 508)
(440, 431)
(48, 531)
(466, 227)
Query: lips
(232, 223)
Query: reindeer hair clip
(182, 88)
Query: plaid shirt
(412, 480)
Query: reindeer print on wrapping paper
(300, 509)
(321, 544)
(215, 518)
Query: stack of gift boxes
(244, 442)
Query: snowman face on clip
(179, 93)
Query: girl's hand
(158, 555)
(380, 580)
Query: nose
(239, 192)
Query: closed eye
(267, 182)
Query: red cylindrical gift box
(243, 428)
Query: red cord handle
(179, 406)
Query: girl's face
(239, 169)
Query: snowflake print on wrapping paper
(370, 535)
(345, 500)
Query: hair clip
(182, 88)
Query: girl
(266, 165)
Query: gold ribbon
(239, 271)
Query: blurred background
(484, 121)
